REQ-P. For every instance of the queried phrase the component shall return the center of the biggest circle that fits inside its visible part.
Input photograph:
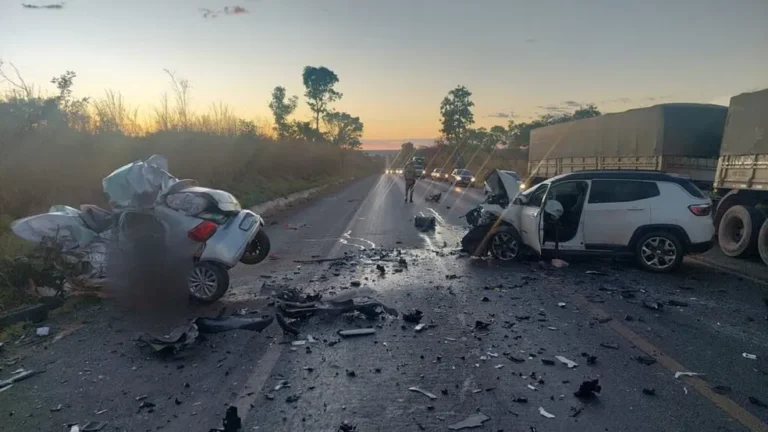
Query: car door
(530, 218)
(615, 210)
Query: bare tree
(181, 90)
(164, 120)
(19, 87)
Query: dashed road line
(734, 410)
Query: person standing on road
(409, 173)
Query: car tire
(653, 252)
(257, 250)
(207, 282)
(762, 242)
(505, 244)
(739, 229)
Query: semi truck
(741, 180)
(680, 138)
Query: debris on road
(292, 398)
(588, 389)
(591, 359)
(231, 421)
(42, 331)
(425, 223)
(690, 374)
(219, 325)
(175, 341)
(413, 316)
(422, 391)
(357, 332)
(757, 402)
(474, 421)
(561, 304)
(570, 363)
(93, 426)
(646, 360)
(595, 273)
(287, 328)
(677, 303)
(481, 325)
(544, 413)
(576, 411)
(435, 198)
(420, 327)
(347, 427)
(558, 263)
(381, 269)
(649, 391)
(721, 389)
(653, 305)
(19, 375)
(609, 345)
(749, 356)
(354, 301)
(548, 362)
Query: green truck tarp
(692, 130)
(747, 124)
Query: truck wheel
(738, 230)
(762, 242)
(659, 252)
(207, 282)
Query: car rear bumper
(699, 248)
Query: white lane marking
(347, 235)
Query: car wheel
(257, 249)
(506, 244)
(659, 252)
(738, 230)
(207, 282)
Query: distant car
(439, 174)
(462, 177)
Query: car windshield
(463, 172)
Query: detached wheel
(762, 242)
(257, 250)
(739, 229)
(506, 244)
(207, 282)
(659, 252)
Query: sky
(397, 59)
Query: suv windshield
(463, 172)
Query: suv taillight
(203, 231)
(700, 209)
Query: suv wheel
(659, 252)
(506, 244)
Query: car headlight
(522, 186)
(473, 179)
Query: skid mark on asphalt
(734, 410)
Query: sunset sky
(397, 59)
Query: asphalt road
(364, 381)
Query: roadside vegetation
(56, 147)
(481, 150)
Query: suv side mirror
(554, 209)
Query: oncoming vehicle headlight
(522, 186)
(473, 179)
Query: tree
(319, 82)
(586, 112)
(281, 109)
(456, 110)
(344, 130)
(306, 131)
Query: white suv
(655, 217)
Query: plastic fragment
(422, 391)
(544, 413)
(679, 374)
(570, 363)
(473, 421)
